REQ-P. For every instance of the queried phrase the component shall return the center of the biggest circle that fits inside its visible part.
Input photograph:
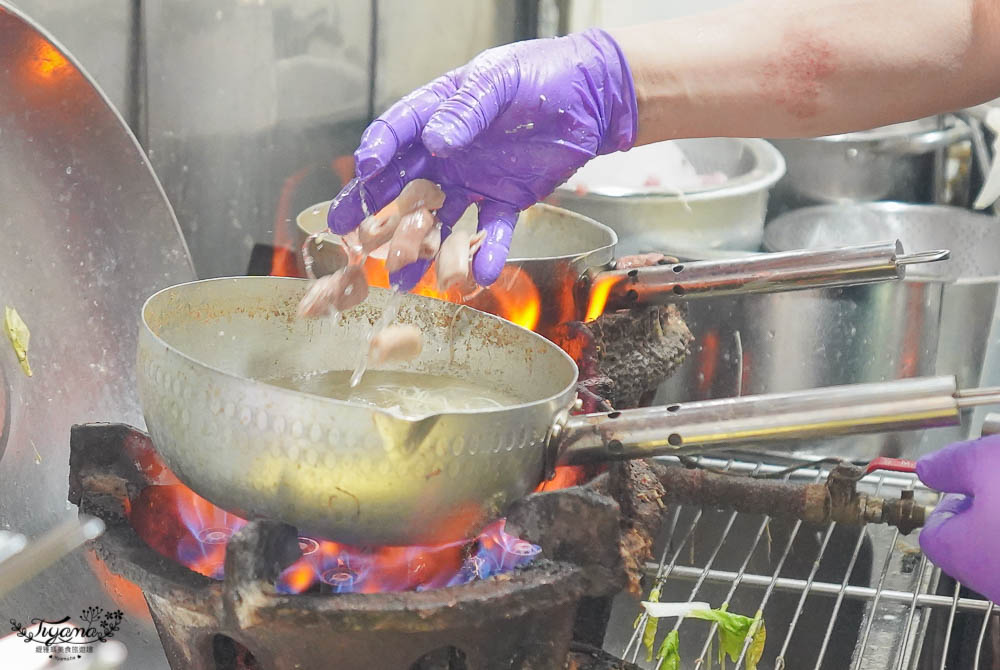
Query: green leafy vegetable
(756, 650)
(669, 651)
(19, 336)
(649, 632)
(734, 629)
(733, 632)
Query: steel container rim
(313, 398)
(802, 215)
(303, 224)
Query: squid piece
(377, 229)
(431, 243)
(408, 238)
(419, 194)
(641, 261)
(352, 242)
(403, 342)
(341, 291)
(454, 258)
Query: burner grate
(905, 614)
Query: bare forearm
(785, 68)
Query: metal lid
(87, 235)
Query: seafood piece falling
(341, 291)
(402, 342)
(377, 229)
(408, 238)
(454, 258)
(419, 194)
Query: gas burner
(214, 535)
(525, 618)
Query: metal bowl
(901, 162)
(726, 216)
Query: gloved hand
(962, 535)
(502, 131)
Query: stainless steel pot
(722, 216)
(359, 474)
(937, 321)
(903, 162)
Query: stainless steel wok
(361, 475)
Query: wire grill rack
(832, 597)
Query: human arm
(785, 68)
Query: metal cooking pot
(937, 321)
(359, 474)
(558, 270)
(903, 162)
(727, 215)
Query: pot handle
(761, 273)
(923, 143)
(697, 427)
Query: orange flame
(565, 477)
(599, 296)
(513, 296)
(48, 63)
(181, 525)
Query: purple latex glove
(501, 131)
(962, 535)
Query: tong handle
(762, 273)
(754, 421)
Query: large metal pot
(938, 320)
(729, 215)
(904, 162)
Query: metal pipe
(763, 273)
(696, 427)
(779, 499)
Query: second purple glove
(502, 132)
(962, 535)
